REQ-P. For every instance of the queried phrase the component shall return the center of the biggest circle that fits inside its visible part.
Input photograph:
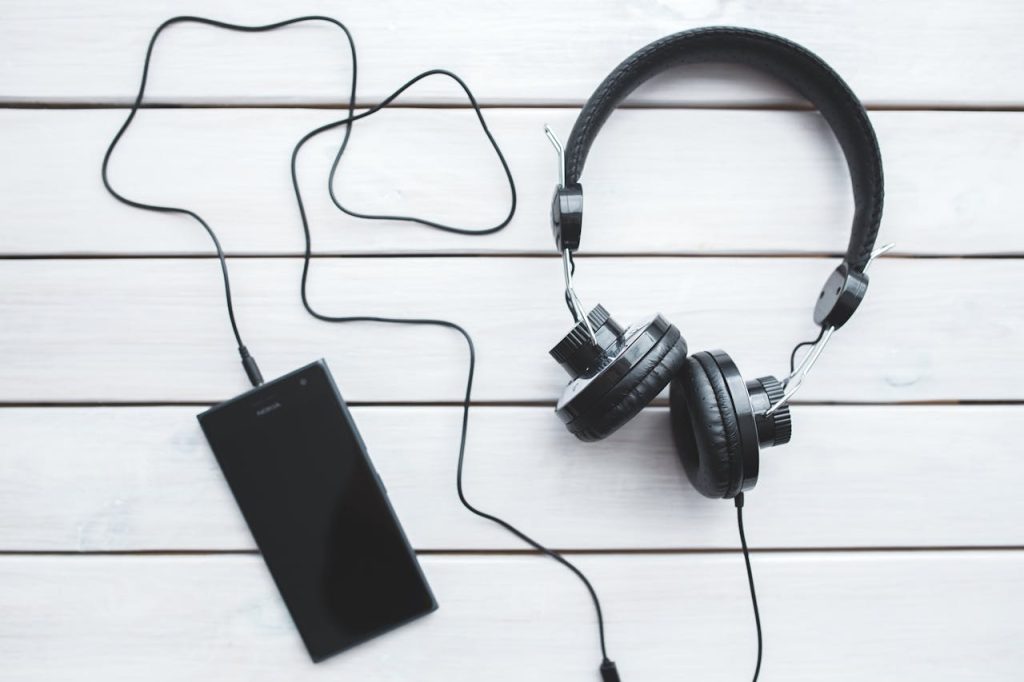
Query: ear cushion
(642, 384)
(705, 427)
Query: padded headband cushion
(791, 63)
(705, 427)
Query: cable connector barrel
(609, 673)
(252, 370)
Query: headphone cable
(750, 580)
(797, 347)
(607, 667)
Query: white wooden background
(889, 542)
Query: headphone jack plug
(252, 370)
(609, 673)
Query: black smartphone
(320, 515)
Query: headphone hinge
(843, 291)
(567, 216)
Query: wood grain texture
(508, 618)
(709, 182)
(155, 330)
(915, 52)
(102, 479)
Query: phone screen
(299, 471)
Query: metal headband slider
(567, 204)
(843, 292)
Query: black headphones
(719, 421)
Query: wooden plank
(155, 330)
(659, 182)
(103, 479)
(506, 618)
(912, 53)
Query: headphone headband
(807, 73)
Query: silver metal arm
(885, 248)
(559, 150)
(792, 383)
(579, 313)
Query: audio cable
(739, 501)
(750, 581)
(607, 667)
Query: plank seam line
(99, 404)
(525, 255)
(639, 106)
(141, 553)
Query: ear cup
(638, 387)
(706, 427)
